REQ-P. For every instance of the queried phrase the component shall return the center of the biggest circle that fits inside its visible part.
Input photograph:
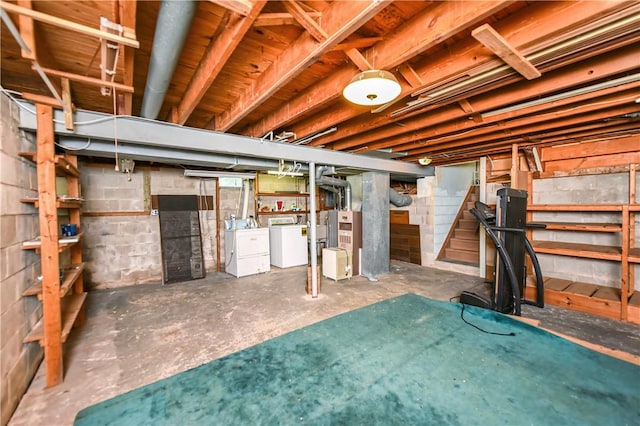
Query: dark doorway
(182, 258)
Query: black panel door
(182, 258)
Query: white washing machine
(288, 244)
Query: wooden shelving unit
(619, 303)
(62, 295)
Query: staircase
(463, 241)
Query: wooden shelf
(70, 307)
(71, 274)
(63, 243)
(63, 167)
(283, 212)
(589, 251)
(575, 207)
(588, 227)
(585, 297)
(634, 255)
(61, 202)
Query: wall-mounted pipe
(172, 27)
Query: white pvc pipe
(245, 199)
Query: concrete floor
(137, 335)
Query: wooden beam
(278, 19)
(493, 41)
(359, 43)
(216, 56)
(69, 25)
(52, 315)
(582, 73)
(305, 20)
(241, 7)
(27, 32)
(127, 14)
(523, 28)
(340, 20)
(424, 31)
(88, 80)
(67, 106)
(44, 100)
(358, 60)
(410, 75)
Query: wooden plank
(71, 275)
(241, 7)
(69, 25)
(216, 56)
(312, 27)
(592, 162)
(588, 227)
(493, 41)
(43, 100)
(27, 32)
(52, 325)
(583, 289)
(358, 60)
(71, 307)
(590, 251)
(556, 284)
(279, 19)
(88, 80)
(399, 217)
(590, 305)
(67, 105)
(575, 207)
(589, 149)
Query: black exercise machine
(506, 226)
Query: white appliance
(246, 251)
(288, 242)
(336, 263)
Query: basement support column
(375, 224)
(312, 230)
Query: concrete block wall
(592, 189)
(19, 268)
(121, 243)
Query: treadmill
(506, 226)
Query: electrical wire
(475, 326)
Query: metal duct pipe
(172, 26)
(398, 199)
(323, 180)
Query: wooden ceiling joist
(340, 20)
(278, 19)
(241, 7)
(73, 26)
(217, 54)
(416, 36)
(89, 80)
(493, 41)
(305, 20)
(358, 60)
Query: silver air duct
(172, 27)
(323, 180)
(398, 199)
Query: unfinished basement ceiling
(476, 76)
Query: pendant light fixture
(372, 87)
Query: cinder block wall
(591, 189)
(19, 268)
(121, 240)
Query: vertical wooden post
(624, 282)
(632, 223)
(49, 228)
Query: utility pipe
(398, 199)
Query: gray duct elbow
(398, 199)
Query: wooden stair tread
(592, 251)
(70, 307)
